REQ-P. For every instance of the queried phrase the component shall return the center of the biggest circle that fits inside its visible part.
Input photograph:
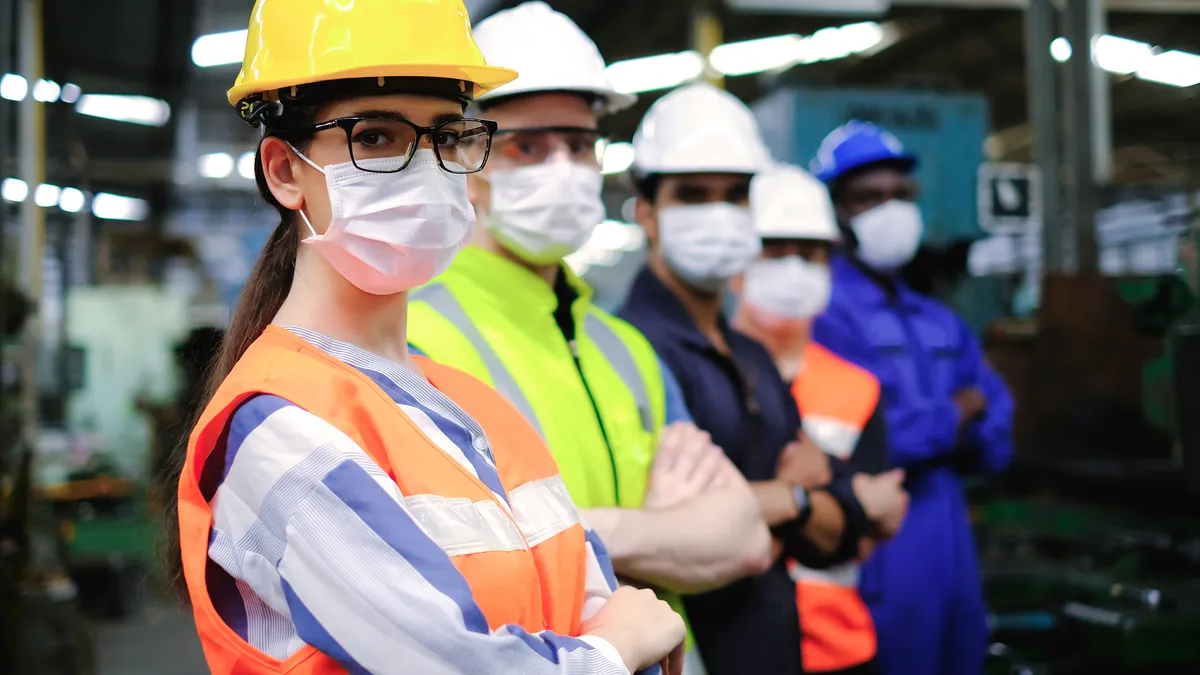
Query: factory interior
(1060, 174)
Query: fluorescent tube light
(14, 190)
(13, 87)
(216, 165)
(650, 73)
(71, 200)
(143, 110)
(116, 207)
(219, 49)
(618, 157)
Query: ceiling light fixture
(215, 165)
(13, 87)
(142, 110)
(116, 207)
(219, 49)
(14, 190)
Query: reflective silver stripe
(834, 436)
(845, 575)
(462, 527)
(443, 302)
(617, 355)
(543, 509)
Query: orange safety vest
(539, 587)
(836, 399)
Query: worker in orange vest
(839, 403)
(344, 507)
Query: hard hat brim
(611, 101)
(485, 78)
(906, 161)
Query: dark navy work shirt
(750, 626)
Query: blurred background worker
(696, 151)
(781, 294)
(948, 413)
(513, 314)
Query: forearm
(696, 546)
(820, 535)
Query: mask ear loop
(304, 216)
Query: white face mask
(888, 235)
(708, 244)
(392, 232)
(788, 288)
(546, 211)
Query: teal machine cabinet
(947, 133)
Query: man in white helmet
(780, 295)
(695, 153)
(670, 508)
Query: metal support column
(1088, 130)
(33, 217)
(1043, 100)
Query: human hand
(643, 629)
(803, 463)
(687, 463)
(971, 403)
(884, 500)
(673, 664)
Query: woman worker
(343, 507)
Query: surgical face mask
(545, 212)
(787, 288)
(708, 244)
(392, 232)
(888, 235)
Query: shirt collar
(511, 285)
(849, 274)
(650, 299)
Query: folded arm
(990, 436)
(919, 432)
(318, 532)
(698, 545)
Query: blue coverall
(923, 587)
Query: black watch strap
(803, 504)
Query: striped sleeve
(315, 529)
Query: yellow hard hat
(296, 42)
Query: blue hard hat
(856, 144)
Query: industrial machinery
(1090, 546)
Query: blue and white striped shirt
(313, 544)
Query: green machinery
(1091, 562)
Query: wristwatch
(803, 505)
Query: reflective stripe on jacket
(496, 320)
(525, 565)
(836, 399)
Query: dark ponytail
(262, 295)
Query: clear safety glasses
(461, 145)
(534, 145)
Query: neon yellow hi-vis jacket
(597, 400)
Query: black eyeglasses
(387, 144)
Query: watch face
(801, 497)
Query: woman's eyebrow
(381, 114)
(447, 117)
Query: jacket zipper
(612, 458)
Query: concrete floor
(160, 640)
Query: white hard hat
(699, 128)
(549, 52)
(790, 203)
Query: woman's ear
(278, 163)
